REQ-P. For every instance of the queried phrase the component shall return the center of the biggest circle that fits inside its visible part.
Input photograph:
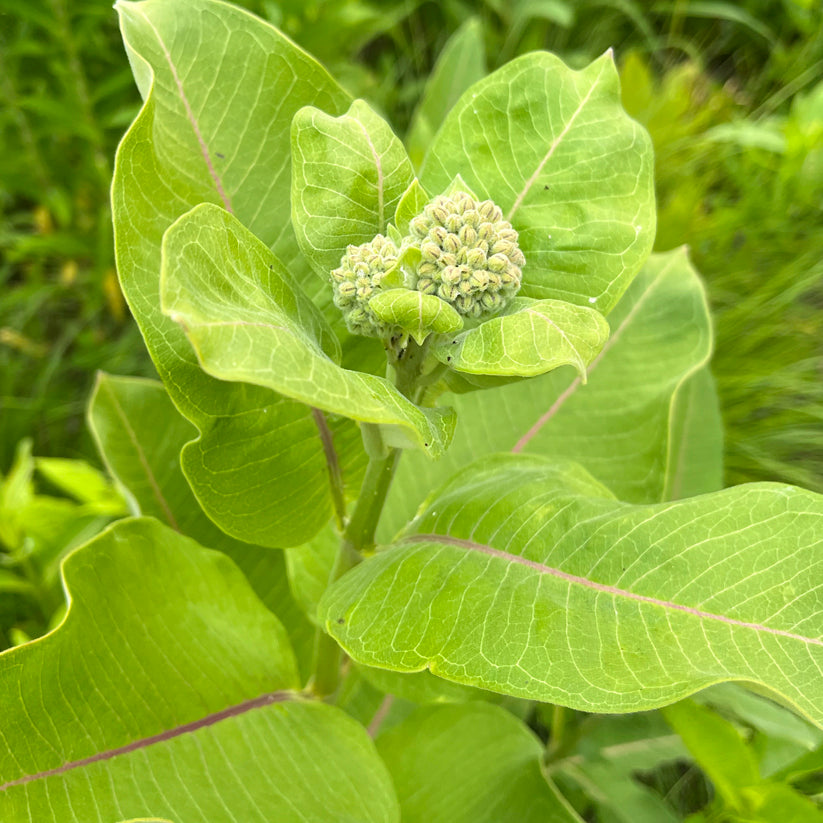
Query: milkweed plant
(431, 475)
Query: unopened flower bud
(357, 280)
(470, 256)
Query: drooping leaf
(248, 321)
(416, 313)
(217, 130)
(461, 64)
(619, 425)
(540, 335)
(474, 763)
(568, 167)
(166, 692)
(139, 435)
(525, 576)
(348, 175)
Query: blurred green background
(732, 94)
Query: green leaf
(165, 692)
(568, 167)
(526, 577)
(776, 803)
(461, 64)
(215, 127)
(16, 492)
(248, 321)
(718, 748)
(619, 798)
(348, 175)
(83, 482)
(538, 336)
(310, 567)
(619, 425)
(470, 764)
(416, 313)
(411, 204)
(695, 462)
(760, 713)
(139, 434)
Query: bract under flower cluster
(468, 257)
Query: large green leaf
(571, 171)
(215, 127)
(473, 763)
(537, 337)
(249, 321)
(166, 692)
(527, 577)
(139, 435)
(620, 425)
(348, 175)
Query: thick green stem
(359, 533)
(357, 536)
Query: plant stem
(357, 536)
(359, 533)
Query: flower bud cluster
(358, 279)
(470, 256)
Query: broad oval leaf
(217, 130)
(473, 763)
(620, 425)
(527, 577)
(248, 321)
(139, 434)
(416, 313)
(166, 692)
(569, 168)
(538, 336)
(348, 176)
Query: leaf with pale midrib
(221, 87)
(570, 169)
(348, 175)
(168, 691)
(249, 321)
(525, 576)
(620, 425)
